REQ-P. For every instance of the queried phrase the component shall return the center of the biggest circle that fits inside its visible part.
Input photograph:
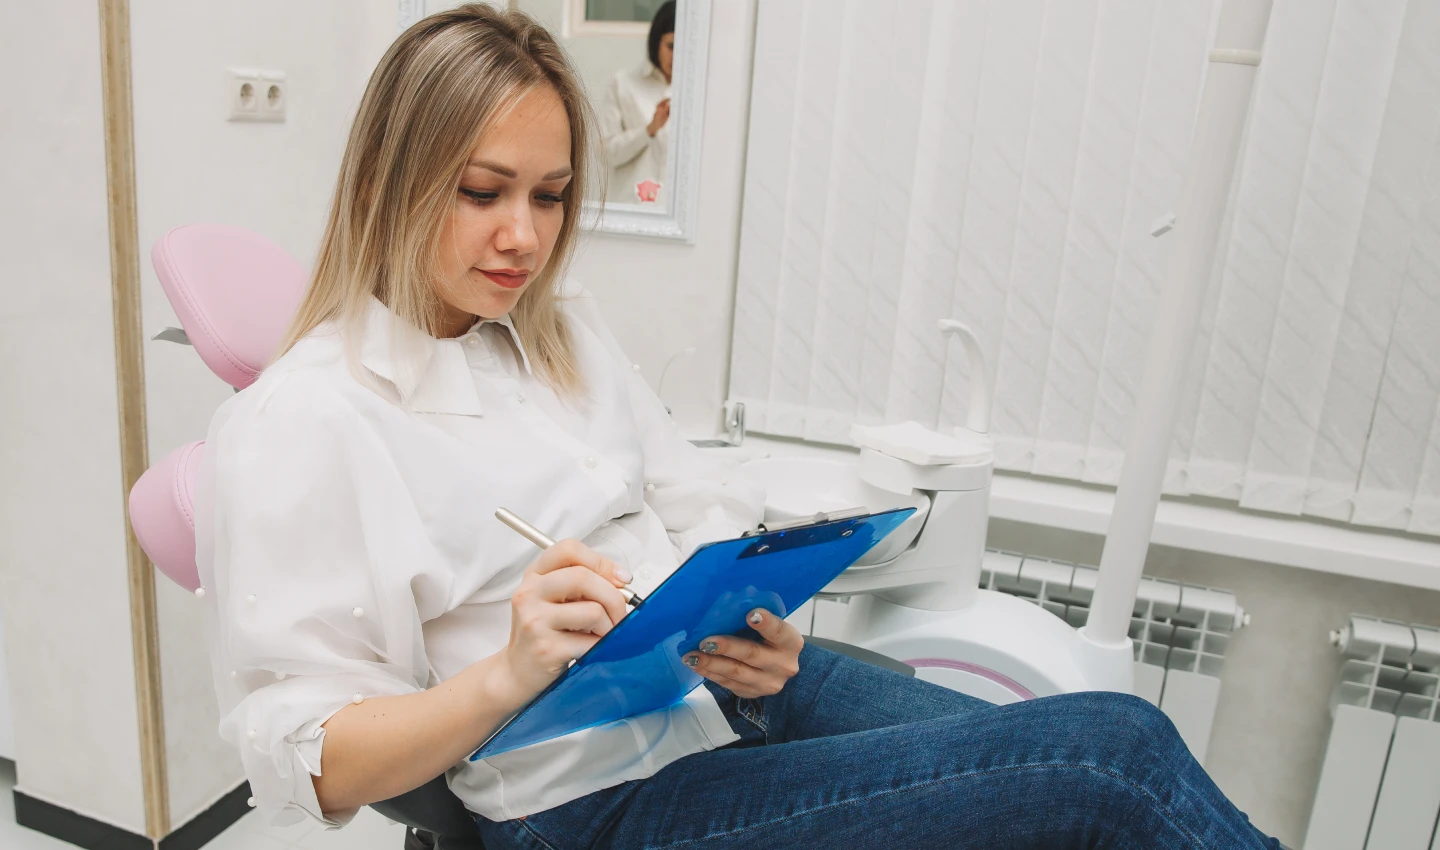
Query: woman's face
(507, 212)
(667, 54)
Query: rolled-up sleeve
(302, 617)
(699, 496)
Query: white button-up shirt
(345, 528)
(631, 152)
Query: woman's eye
(550, 199)
(478, 196)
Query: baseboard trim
(91, 834)
(202, 829)
(73, 827)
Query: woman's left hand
(746, 668)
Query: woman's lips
(509, 280)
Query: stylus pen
(541, 539)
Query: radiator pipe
(1204, 190)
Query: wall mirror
(648, 139)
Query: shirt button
(520, 397)
(472, 341)
(649, 488)
(635, 367)
(643, 573)
(591, 463)
(605, 524)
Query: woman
(634, 119)
(372, 624)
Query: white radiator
(1181, 631)
(1379, 786)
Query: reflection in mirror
(638, 59)
(634, 113)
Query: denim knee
(1132, 730)
(1124, 709)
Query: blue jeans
(852, 756)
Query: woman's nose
(518, 234)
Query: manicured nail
(623, 573)
(756, 618)
(692, 660)
(709, 647)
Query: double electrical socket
(257, 95)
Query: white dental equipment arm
(977, 419)
(1204, 189)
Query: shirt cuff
(303, 748)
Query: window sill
(1197, 527)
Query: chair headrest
(234, 291)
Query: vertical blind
(1002, 162)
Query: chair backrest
(235, 292)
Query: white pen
(544, 541)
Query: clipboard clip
(818, 518)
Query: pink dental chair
(235, 292)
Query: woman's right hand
(567, 601)
(662, 114)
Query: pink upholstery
(235, 292)
(162, 513)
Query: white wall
(661, 296)
(194, 165)
(7, 714)
(63, 592)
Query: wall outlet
(257, 95)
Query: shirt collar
(431, 375)
(509, 326)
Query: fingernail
(692, 660)
(710, 647)
(623, 573)
(756, 618)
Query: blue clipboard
(636, 668)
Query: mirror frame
(678, 219)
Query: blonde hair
(444, 79)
